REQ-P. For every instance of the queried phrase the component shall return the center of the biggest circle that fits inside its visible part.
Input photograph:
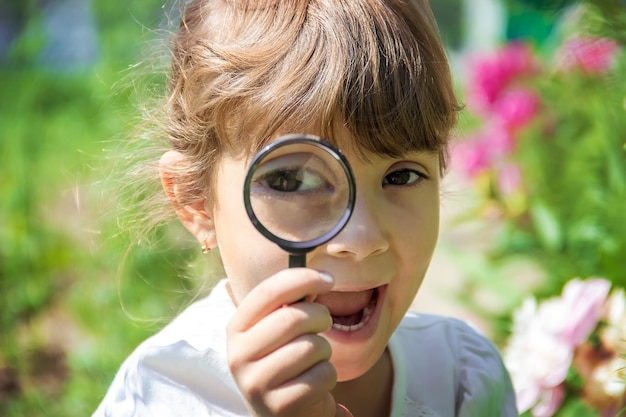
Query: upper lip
(356, 276)
(355, 288)
(353, 281)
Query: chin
(352, 362)
(345, 374)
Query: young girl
(335, 338)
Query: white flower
(606, 375)
(614, 334)
(536, 358)
(541, 348)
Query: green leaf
(547, 226)
(574, 407)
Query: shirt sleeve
(182, 370)
(172, 380)
(485, 387)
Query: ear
(194, 216)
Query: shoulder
(181, 369)
(202, 324)
(415, 320)
(447, 335)
(467, 364)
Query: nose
(365, 234)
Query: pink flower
(499, 140)
(491, 74)
(484, 149)
(541, 348)
(516, 107)
(509, 178)
(584, 301)
(470, 157)
(550, 402)
(536, 358)
(592, 55)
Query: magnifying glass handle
(297, 261)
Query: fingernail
(344, 410)
(326, 277)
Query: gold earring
(205, 247)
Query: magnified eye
(293, 180)
(402, 177)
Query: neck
(370, 394)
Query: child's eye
(403, 177)
(292, 180)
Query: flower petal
(584, 300)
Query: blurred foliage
(546, 156)
(565, 213)
(449, 15)
(63, 332)
(577, 183)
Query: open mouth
(351, 321)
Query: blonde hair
(244, 71)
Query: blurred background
(536, 195)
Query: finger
(309, 391)
(294, 359)
(282, 366)
(285, 287)
(277, 329)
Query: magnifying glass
(299, 192)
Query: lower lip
(367, 330)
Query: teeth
(367, 313)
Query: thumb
(342, 411)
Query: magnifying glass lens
(299, 192)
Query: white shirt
(442, 368)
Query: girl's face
(378, 260)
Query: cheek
(416, 238)
(248, 257)
(430, 228)
(417, 227)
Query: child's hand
(279, 360)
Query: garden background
(77, 293)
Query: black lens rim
(308, 245)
